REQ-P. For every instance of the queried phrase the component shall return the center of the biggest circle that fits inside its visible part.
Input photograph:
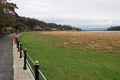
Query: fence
(33, 66)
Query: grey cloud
(92, 12)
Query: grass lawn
(62, 57)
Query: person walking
(15, 38)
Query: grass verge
(70, 63)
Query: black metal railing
(29, 63)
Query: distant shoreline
(105, 31)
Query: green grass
(71, 64)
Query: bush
(6, 30)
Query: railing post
(17, 42)
(36, 70)
(20, 50)
(25, 61)
(18, 45)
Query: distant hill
(25, 24)
(114, 28)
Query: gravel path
(6, 57)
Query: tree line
(8, 17)
(27, 24)
(114, 28)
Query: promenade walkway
(19, 73)
(11, 66)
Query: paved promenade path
(6, 57)
(19, 73)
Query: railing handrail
(26, 62)
(28, 56)
(30, 68)
(42, 74)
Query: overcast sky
(77, 13)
